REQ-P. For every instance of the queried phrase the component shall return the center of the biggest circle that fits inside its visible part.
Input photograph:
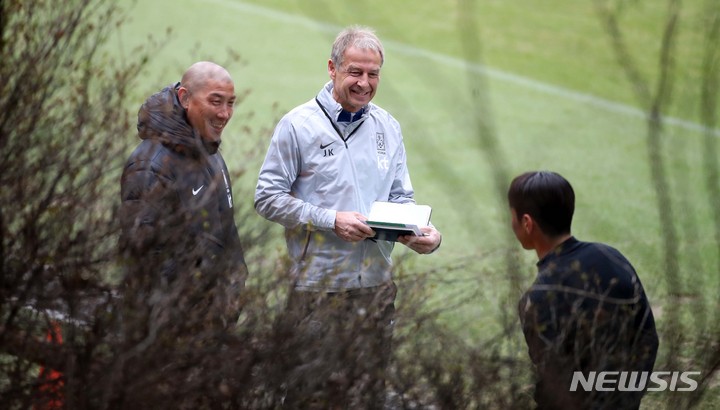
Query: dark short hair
(547, 197)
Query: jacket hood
(163, 118)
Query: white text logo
(634, 381)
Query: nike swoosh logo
(326, 145)
(195, 191)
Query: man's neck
(546, 245)
(347, 116)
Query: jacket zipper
(337, 130)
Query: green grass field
(483, 93)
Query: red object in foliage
(51, 380)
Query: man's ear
(331, 69)
(527, 223)
(183, 96)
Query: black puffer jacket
(177, 206)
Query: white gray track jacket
(311, 172)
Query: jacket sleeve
(273, 195)
(538, 327)
(143, 193)
(148, 207)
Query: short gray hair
(355, 36)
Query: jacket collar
(566, 247)
(332, 107)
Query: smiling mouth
(361, 93)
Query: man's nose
(363, 80)
(225, 113)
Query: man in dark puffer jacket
(178, 230)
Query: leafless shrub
(82, 329)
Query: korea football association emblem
(383, 163)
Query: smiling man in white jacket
(328, 161)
